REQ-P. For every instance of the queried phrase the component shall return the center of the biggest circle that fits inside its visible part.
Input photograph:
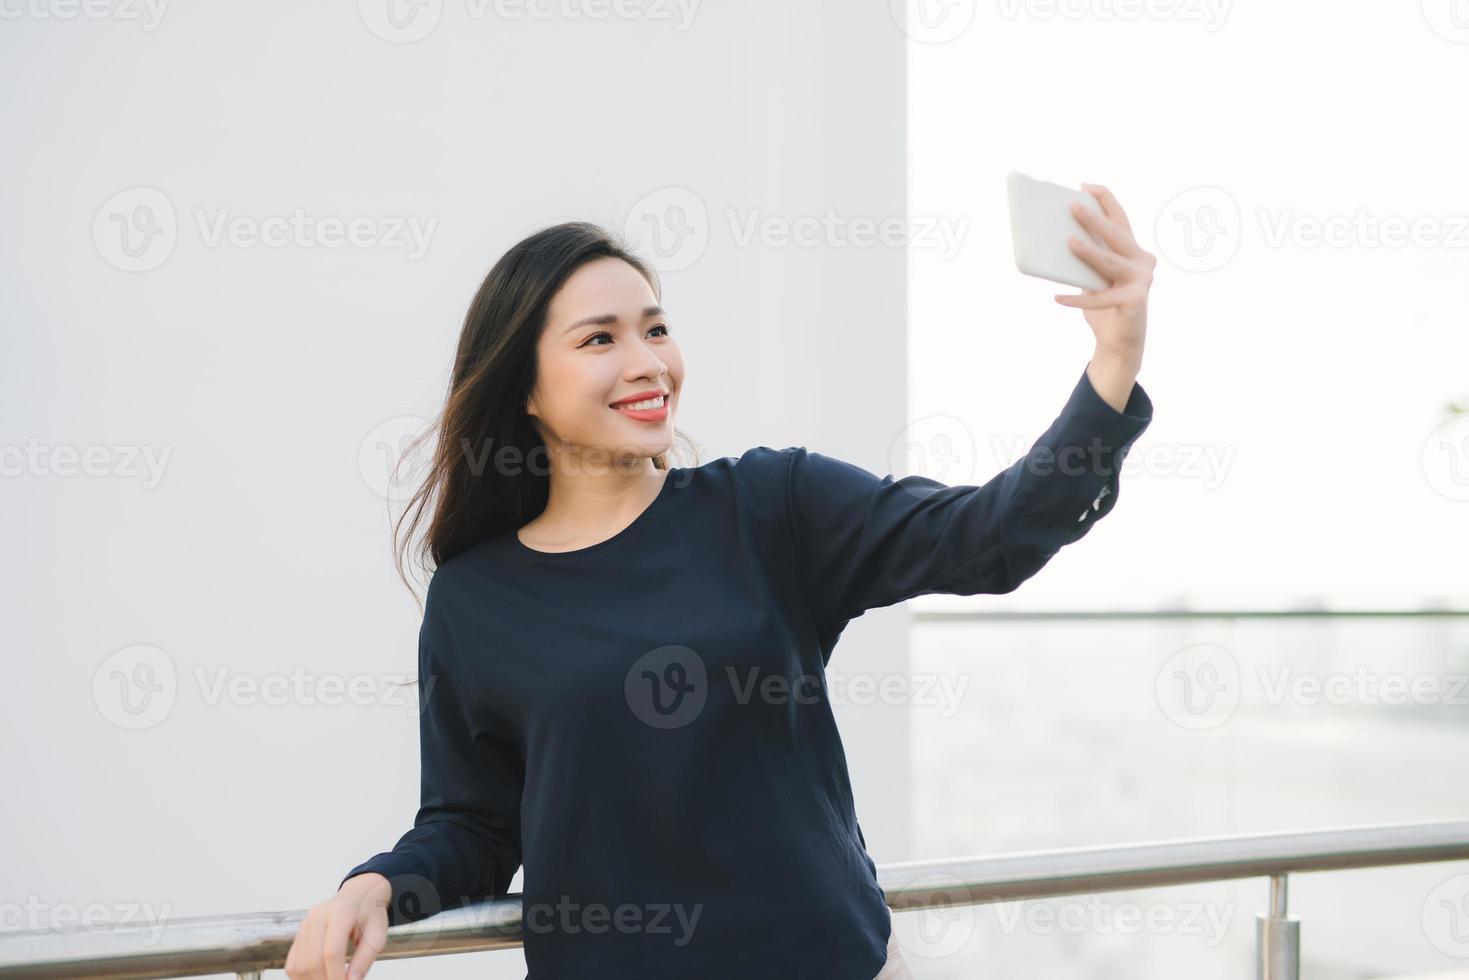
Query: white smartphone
(1040, 221)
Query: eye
(604, 333)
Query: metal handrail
(967, 614)
(247, 945)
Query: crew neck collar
(642, 519)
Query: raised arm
(866, 541)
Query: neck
(589, 500)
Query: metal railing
(1180, 613)
(249, 945)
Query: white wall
(264, 377)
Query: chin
(628, 449)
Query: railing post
(1277, 938)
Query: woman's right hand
(358, 911)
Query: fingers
(319, 951)
(1127, 261)
(374, 940)
(1110, 207)
(1109, 265)
(334, 945)
(1122, 295)
(1117, 237)
(303, 959)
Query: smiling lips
(645, 406)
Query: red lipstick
(657, 414)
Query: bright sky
(1299, 171)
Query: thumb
(374, 940)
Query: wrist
(1117, 360)
(1113, 378)
(366, 884)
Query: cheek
(567, 389)
(571, 379)
(586, 386)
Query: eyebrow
(609, 318)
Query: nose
(651, 366)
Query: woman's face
(605, 341)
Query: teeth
(643, 406)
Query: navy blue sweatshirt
(644, 723)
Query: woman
(622, 662)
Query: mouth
(653, 409)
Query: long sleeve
(465, 843)
(866, 541)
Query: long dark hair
(489, 470)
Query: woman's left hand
(1118, 314)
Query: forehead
(605, 285)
